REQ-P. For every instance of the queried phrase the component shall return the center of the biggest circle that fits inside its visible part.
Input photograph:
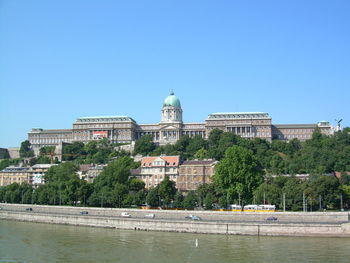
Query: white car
(150, 216)
(125, 214)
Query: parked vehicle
(192, 217)
(196, 218)
(271, 218)
(29, 209)
(150, 216)
(125, 214)
(84, 212)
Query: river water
(34, 242)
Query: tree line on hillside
(112, 188)
(97, 152)
(319, 155)
(248, 172)
(239, 178)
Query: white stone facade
(123, 129)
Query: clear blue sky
(60, 60)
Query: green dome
(172, 100)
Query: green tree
(342, 162)
(105, 149)
(41, 195)
(140, 198)
(214, 137)
(4, 163)
(201, 154)
(293, 189)
(269, 194)
(167, 191)
(115, 172)
(345, 189)
(128, 200)
(190, 200)
(239, 173)
(209, 201)
(203, 190)
(94, 199)
(227, 140)
(12, 193)
(120, 192)
(327, 187)
(182, 144)
(63, 185)
(43, 159)
(213, 144)
(294, 146)
(107, 197)
(168, 149)
(261, 149)
(195, 144)
(91, 148)
(136, 184)
(144, 145)
(178, 200)
(152, 198)
(84, 191)
(61, 173)
(47, 150)
(73, 151)
(280, 146)
(25, 150)
(4, 154)
(277, 165)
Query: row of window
(77, 126)
(154, 170)
(171, 177)
(299, 136)
(297, 131)
(158, 163)
(49, 141)
(57, 135)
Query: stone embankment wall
(309, 224)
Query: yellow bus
(235, 208)
(259, 208)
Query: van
(150, 216)
(125, 214)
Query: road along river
(230, 223)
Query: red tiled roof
(170, 160)
(339, 174)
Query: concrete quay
(326, 224)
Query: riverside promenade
(323, 224)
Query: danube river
(34, 242)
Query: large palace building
(124, 129)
